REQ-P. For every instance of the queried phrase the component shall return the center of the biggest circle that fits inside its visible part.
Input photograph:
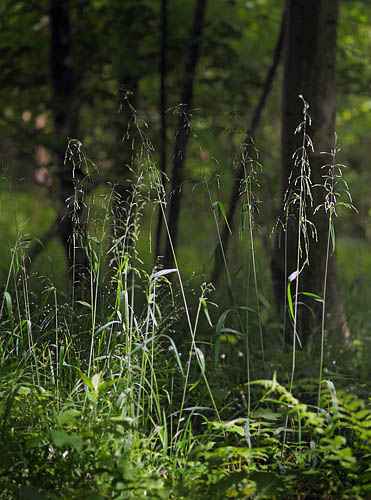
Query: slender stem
(324, 311)
(250, 208)
(191, 328)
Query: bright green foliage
(136, 384)
(131, 392)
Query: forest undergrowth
(136, 385)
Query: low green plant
(120, 391)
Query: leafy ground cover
(118, 410)
(138, 385)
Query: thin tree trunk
(310, 57)
(163, 106)
(234, 199)
(182, 136)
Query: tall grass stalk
(95, 260)
(73, 155)
(333, 184)
(298, 196)
(192, 329)
(155, 184)
(56, 338)
(15, 272)
(219, 205)
(26, 323)
(251, 166)
(301, 162)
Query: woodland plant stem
(75, 215)
(304, 192)
(256, 285)
(220, 241)
(56, 337)
(149, 331)
(324, 311)
(221, 246)
(300, 159)
(250, 202)
(11, 268)
(285, 297)
(330, 207)
(91, 354)
(31, 342)
(191, 328)
(297, 287)
(232, 294)
(247, 343)
(331, 181)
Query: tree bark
(163, 106)
(182, 136)
(235, 195)
(310, 56)
(65, 117)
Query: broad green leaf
(68, 416)
(62, 438)
(24, 390)
(268, 483)
(75, 441)
(59, 438)
(265, 413)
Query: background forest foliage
(121, 363)
(116, 45)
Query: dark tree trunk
(182, 135)
(163, 106)
(310, 56)
(235, 195)
(65, 111)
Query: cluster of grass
(136, 386)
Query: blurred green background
(114, 43)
